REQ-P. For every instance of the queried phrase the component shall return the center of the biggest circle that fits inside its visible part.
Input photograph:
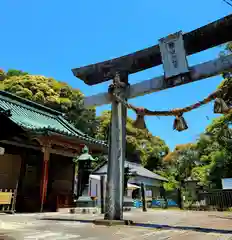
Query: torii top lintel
(208, 36)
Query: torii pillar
(116, 154)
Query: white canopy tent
(98, 178)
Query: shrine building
(37, 147)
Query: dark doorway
(60, 183)
(28, 197)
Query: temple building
(37, 147)
(152, 181)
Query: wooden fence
(217, 199)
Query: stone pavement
(154, 224)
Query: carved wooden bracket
(46, 151)
(46, 146)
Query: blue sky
(50, 37)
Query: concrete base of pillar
(85, 202)
(106, 222)
(127, 209)
(90, 210)
(9, 212)
(128, 202)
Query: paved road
(158, 225)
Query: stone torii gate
(171, 52)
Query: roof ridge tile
(36, 117)
(7, 96)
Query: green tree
(139, 143)
(227, 77)
(215, 150)
(179, 163)
(14, 72)
(2, 75)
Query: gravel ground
(155, 224)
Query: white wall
(95, 187)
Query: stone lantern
(191, 185)
(84, 162)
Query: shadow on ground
(222, 217)
(187, 228)
(68, 220)
(155, 226)
(5, 237)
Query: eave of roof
(141, 171)
(38, 118)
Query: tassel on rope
(110, 91)
(220, 106)
(180, 124)
(140, 119)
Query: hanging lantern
(140, 119)
(220, 106)
(180, 124)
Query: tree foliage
(141, 144)
(179, 164)
(209, 159)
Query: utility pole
(102, 189)
(171, 52)
(143, 196)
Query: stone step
(89, 210)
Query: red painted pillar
(44, 179)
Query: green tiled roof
(36, 117)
